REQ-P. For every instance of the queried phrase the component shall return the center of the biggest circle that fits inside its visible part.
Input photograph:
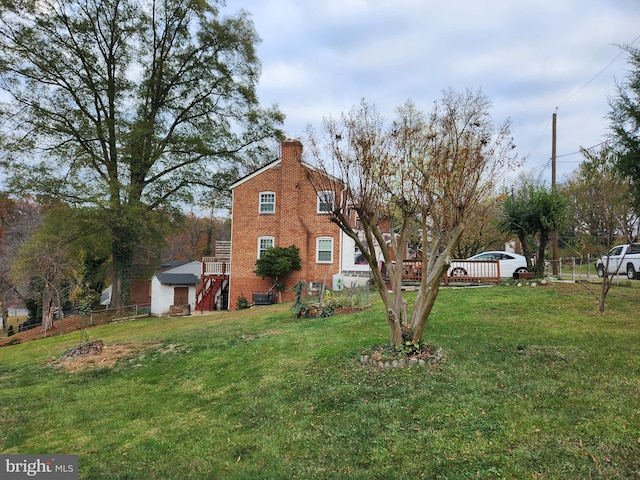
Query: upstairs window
(324, 250)
(264, 244)
(267, 202)
(326, 200)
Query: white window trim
(320, 197)
(318, 240)
(265, 237)
(260, 203)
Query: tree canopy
(600, 210)
(534, 212)
(277, 263)
(624, 119)
(127, 106)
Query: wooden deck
(468, 272)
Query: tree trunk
(124, 239)
(395, 337)
(606, 284)
(424, 303)
(544, 240)
(48, 309)
(525, 250)
(121, 278)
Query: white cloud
(321, 58)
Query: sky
(530, 58)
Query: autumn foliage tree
(485, 234)
(600, 202)
(417, 176)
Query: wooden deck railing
(213, 266)
(473, 271)
(461, 271)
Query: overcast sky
(320, 57)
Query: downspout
(230, 254)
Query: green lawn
(534, 384)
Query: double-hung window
(264, 244)
(326, 200)
(324, 250)
(267, 202)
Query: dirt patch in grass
(107, 358)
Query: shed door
(180, 295)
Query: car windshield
(615, 251)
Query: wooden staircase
(206, 295)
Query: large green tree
(625, 124)
(533, 213)
(127, 106)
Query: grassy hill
(533, 384)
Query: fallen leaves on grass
(107, 358)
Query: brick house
(278, 206)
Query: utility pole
(554, 262)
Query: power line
(580, 151)
(597, 74)
(573, 95)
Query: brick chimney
(291, 154)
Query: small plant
(329, 296)
(242, 302)
(329, 303)
(85, 309)
(410, 348)
(10, 331)
(325, 311)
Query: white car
(510, 264)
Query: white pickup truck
(623, 259)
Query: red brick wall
(295, 222)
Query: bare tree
(45, 264)
(603, 207)
(601, 202)
(20, 220)
(418, 176)
(485, 235)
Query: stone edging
(402, 362)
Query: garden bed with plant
(328, 303)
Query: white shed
(176, 286)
